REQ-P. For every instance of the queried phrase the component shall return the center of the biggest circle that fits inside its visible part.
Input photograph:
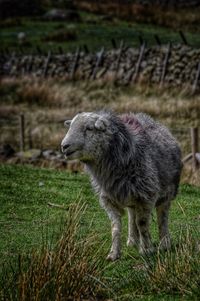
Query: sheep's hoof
(165, 244)
(113, 256)
(147, 251)
(131, 242)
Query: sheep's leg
(133, 234)
(143, 218)
(162, 218)
(114, 215)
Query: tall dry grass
(167, 274)
(70, 270)
(177, 270)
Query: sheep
(134, 163)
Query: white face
(83, 139)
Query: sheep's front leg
(162, 217)
(114, 215)
(133, 234)
(143, 218)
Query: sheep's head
(85, 138)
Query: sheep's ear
(101, 124)
(67, 123)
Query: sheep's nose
(64, 147)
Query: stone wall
(177, 65)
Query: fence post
(30, 141)
(86, 49)
(75, 65)
(47, 64)
(98, 62)
(165, 63)
(195, 85)
(183, 37)
(140, 57)
(118, 59)
(114, 45)
(158, 41)
(194, 144)
(60, 50)
(22, 132)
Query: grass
(67, 270)
(27, 222)
(92, 31)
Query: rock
(32, 154)
(21, 38)
(7, 151)
(47, 154)
(62, 15)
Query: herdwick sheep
(134, 162)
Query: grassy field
(92, 31)
(28, 222)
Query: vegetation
(93, 31)
(65, 271)
(167, 14)
(30, 228)
(46, 104)
(54, 235)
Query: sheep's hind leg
(114, 215)
(162, 217)
(143, 218)
(133, 234)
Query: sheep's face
(85, 138)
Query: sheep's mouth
(69, 153)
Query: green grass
(26, 221)
(93, 35)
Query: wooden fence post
(98, 63)
(138, 64)
(194, 144)
(165, 62)
(183, 37)
(157, 38)
(118, 59)
(22, 132)
(47, 64)
(30, 140)
(114, 45)
(195, 85)
(75, 65)
(86, 49)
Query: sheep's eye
(89, 128)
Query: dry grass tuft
(176, 271)
(69, 271)
(37, 94)
(190, 176)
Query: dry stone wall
(177, 65)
